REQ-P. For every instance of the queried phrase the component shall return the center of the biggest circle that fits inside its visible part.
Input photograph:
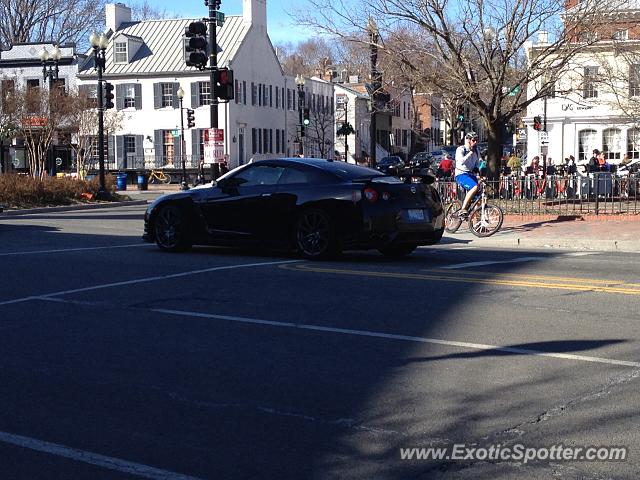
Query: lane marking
(491, 262)
(579, 285)
(79, 249)
(110, 463)
(143, 280)
(391, 336)
(579, 254)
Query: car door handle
(265, 195)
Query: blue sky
(281, 27)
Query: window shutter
(175, 102)
(271, 140)
(195, 98)
(253, 141)
(138, 92)
(195, 145)
(177, 151)
(120, 96)
(157, 95)
(111, 151)
(157, 146)
(121, 159)
(139, 162)
(271, 96)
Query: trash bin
(143, 181)
(121, 181)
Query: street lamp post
(184, 186)
(50, 64)
(99, 44)
(50, 71)
(300, 85)
(346, 135)
(376, 83)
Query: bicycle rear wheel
(451, 220)
(485, 224)
(167, 178)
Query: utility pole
(376, 84)
(213, 5)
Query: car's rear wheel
(315, 235)
(398, 250)
(172, 229)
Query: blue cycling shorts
(467, 180)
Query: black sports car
(317, 207)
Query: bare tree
(146, 11)
(320, 132)
(60, 21)
(308, 58)
(83, 125)
(473, 50)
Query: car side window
(259, 175)
(293, 175)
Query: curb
(67, 208)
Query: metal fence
(147, 162)
(596, 194)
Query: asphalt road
(120, 361)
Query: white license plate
(415, 215)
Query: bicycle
(484, 219)
(159, 176)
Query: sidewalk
(590, 234)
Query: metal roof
(162, 48)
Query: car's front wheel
(172, 229)
(315, 235)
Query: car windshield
(389, 160)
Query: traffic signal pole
(213, 5)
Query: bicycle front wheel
(452, 221)
(486, 223)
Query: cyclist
(467, 161)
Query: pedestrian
(482, 166)
(593, 161)
(446, 167)
(534, 168)
(551, 168)
(514, 163)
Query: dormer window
(120, 52)
(621, 35)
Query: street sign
(214, 145)
(514, 91)
(544, 138)
(175, 133)
(219, 19)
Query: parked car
(317, 207)
(421, 160)
(390, 165)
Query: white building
(587, 115)
(146, 62)
(21, 68)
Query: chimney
(543, 37)
(255, 13)
(116, 14)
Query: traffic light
(191, 119)
(196, 46)
(223, 78)
(305, 117)
(537, 122)
(460, 116)
(108, 95)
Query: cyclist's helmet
(471, 136)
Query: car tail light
(371, 195)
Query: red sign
(214, 135)
(35, 122)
